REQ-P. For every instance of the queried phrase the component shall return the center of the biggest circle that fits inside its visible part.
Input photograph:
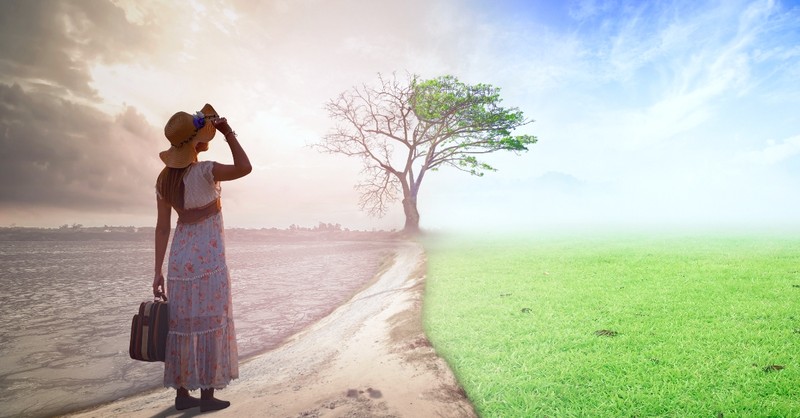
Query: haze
(666, 113)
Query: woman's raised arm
(241, 164)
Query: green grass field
(620, 326)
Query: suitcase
(149, 330)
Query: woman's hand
(158, 285)
(222, 125)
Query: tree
(402, 130)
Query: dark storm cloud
(57, 150)
(49, 44)
(60, 154)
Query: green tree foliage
(403, 129)
(460, 121)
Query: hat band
(185, 141)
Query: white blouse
(200, 187)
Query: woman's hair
(170, 186)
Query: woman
(201, 345)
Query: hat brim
(178, 158)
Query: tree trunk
(412, 215)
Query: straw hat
(184, 131)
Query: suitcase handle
(162, 296)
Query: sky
(647, 113)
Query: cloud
(49, 46)
(632, 99)
(58, 153)
(773, 153)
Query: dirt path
(369, 358)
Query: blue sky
(657, 113)
(660, 113)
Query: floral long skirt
(201, 345)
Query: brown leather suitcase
(149, 330)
